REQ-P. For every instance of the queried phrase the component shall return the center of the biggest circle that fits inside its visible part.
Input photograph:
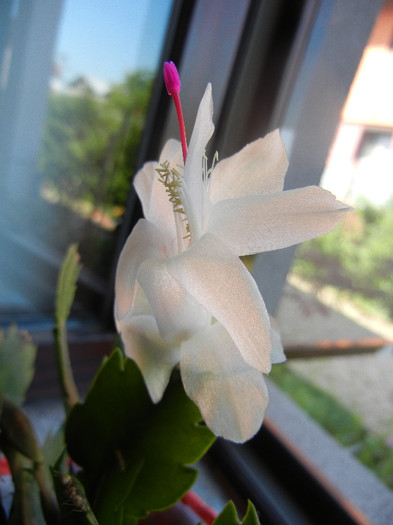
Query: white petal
(144, 242)
(155, 203)
(260, 223)
(231, 395)
(141, 304)
(219, 281)
(154, 357)
(172, 153)
(277, 355)
(258, 168)
(192, 194)
(177, 313)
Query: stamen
(206, 172)
(172, 83)
(171, 179)
(215, 159)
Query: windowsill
(87, 351)
(350, 479)
(350, 484)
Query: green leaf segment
(65, 293)
(135, 454)
(17, 356)
(228, 516)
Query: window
(73, 109)
(271, 64)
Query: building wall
(360, 164)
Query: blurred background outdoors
(79, 83)
(71, 180)
(339, 293)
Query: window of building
(373, 142)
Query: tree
(90, 143)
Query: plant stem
(66, 378)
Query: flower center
(193, 222)
(172, 180)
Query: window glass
(68, 153)
(373, 142)
(338, 297)
(79, 87)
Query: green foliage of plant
(66, 285)
(329, 413)
(357, 256)
(17, 357)
(342, 424)
(90, 142)
(251, 517)
(27, 508)
(228, 516)
(74, 507)
(134, 453)
(34, 501)
(377, 456)
(65, 293)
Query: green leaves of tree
(90, 142)
(134, 453)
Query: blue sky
(105, 39)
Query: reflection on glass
(68, 152)
(339, 296)
(87, 160)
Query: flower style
(184, 297)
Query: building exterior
(360, 165)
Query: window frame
(317, 84)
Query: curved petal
(192, 190)
(154, 357)
(231, 395)
(258, 168)
(277, 355)
(219, 281)
(144, 242)
(177, 313)
(155, 202)
(172, 153)
(260, 223)
(143, 183)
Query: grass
(343, 425)
(355, 258)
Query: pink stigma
(171, 77)
(172, 83)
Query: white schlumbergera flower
(184, 297)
